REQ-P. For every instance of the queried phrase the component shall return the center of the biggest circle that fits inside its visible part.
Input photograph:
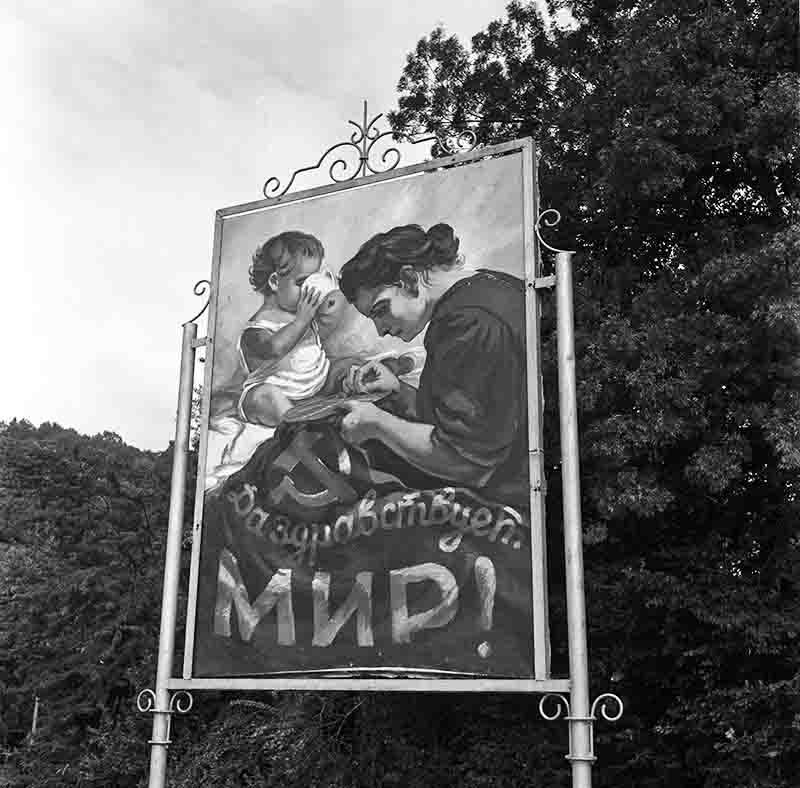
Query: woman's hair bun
(444, 244)
(380, 260)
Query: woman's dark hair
(277, 255)
(379, 261)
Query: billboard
(372, 415)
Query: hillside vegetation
(669, 139)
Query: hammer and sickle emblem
(301, 452)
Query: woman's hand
(309, 303)
(370, 378)
(362, 422)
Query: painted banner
(366, 502)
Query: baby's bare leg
(265, 405)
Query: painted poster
(366, 500)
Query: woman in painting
(467, 423)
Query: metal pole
(35, 721)
(169, 600)
(581, 755)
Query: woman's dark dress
(473, 386)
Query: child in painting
(280, 345)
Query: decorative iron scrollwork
(561, 704)
(180, 702)
(200, 289)
(146, 701)
(556, 712)
(458, 142)
(549, 222)
(370, 160)
(603, 701)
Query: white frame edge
(541, 683)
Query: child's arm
(261, 346)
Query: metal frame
(580, 715)
(362, 679)
(323, 681)
(533, 273)
(160, 702)
(171, 695)
(363, 141)
(562, 704)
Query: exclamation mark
(486, 581)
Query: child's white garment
(299, 374)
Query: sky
(126, 125)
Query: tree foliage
(667, 129)
(82, 526)
(668, 134)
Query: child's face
(287, 287)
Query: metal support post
(159, 702)
(581, 754)
(35, 721)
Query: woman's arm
(402, 402)
(382, 377)
(471, 404)
(411, 441)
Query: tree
(669, 140)
(83, 526)
(667, 129)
